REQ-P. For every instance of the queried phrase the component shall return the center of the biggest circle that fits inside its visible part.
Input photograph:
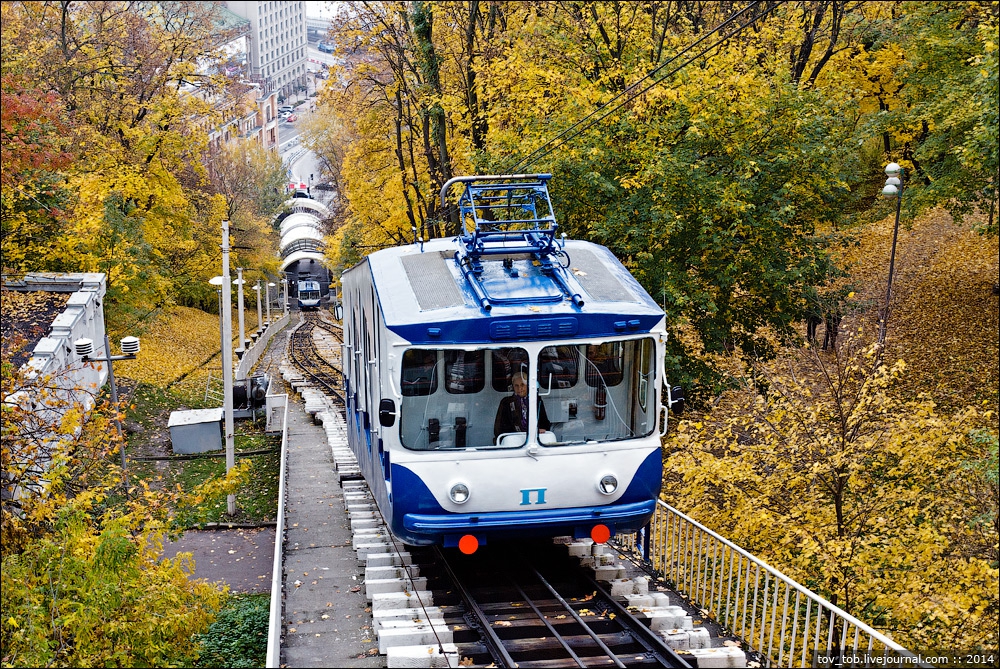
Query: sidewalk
(240, 558)
(327, 619)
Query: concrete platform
(327, 620)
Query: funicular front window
(606, 392)
(447, 402)
(456, 399)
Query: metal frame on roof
(508, 214)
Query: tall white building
(278, 44)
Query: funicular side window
(419, 377)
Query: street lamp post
(267, 289)
(130, 347)
(260, 318)
(217, 282)
(239, 299)
(227, 360)
(893, 189)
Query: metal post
(267, 291)
(114, 400)
(239, 299)
(883, 324)
(260, 318)
(222, 332)
(227, 358)
(284, 291)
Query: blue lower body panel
(417, 518)
(422, 529)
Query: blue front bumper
(422, 529)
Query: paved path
(326, 617)
(241, 558)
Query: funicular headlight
(608, 484)
(459, 493)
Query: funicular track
(531, 605)
(305, 355)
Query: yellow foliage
(822, 472)
(181, 341)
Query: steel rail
(493, 642)
(555, 633)
(576, 616)
(301, 348)
(642, 634)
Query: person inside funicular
(512, 414)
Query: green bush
(238, 637)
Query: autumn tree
(36, 153)
(251, 180)
(949, 128)
(872, 500)
(133, 86)
(84, 581)
(720, 150)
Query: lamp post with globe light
(267, 289)
(260, 317)
(227, 360)
(893, 189)
(239, 300)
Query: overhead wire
(541, 151)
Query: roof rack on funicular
(509, 214)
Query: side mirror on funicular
(677, 400)
(386, 413)
(338, 312)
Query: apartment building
(254, 115)
(277, 55)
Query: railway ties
(539, 611)
(561, 605)
(435, 607)
(313, 361)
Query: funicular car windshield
(592, 392)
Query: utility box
(196, 430)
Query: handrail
(751, 598)
(277, 567)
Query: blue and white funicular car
(437, 333)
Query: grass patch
(146, 421)
(238, 637)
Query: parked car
(292, 118)
(326, 47)
(286, 108)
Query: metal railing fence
(277, 568)
(789, 625)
